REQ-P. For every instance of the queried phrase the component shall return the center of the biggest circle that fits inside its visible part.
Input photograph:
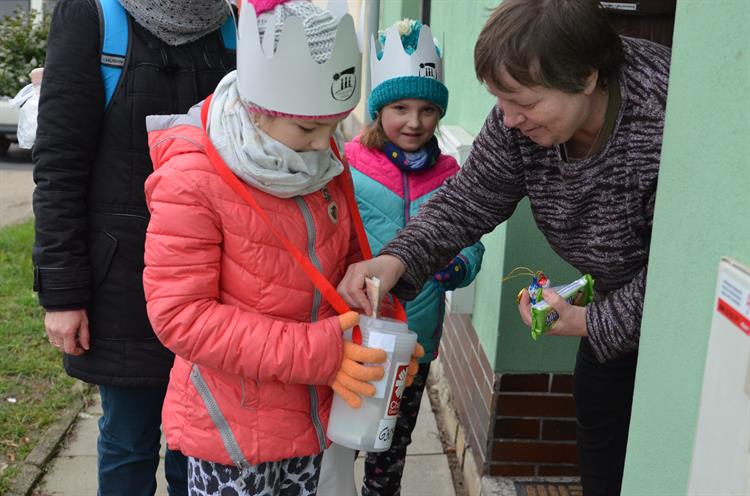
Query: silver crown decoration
(288, 80)
(395, 62)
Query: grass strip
(34, 388)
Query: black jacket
(89, 168)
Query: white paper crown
(395, 62)
(290, 81)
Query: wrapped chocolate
(538, 282)
(579, 292)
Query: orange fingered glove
(353, 379)
(413, 368)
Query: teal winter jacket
(387, 199)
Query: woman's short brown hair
(550, 43)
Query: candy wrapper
(538, 283)
(579, 292)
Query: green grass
(30, 368)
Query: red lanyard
(319, 280)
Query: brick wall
(471, 380)
(515, 424)
(534, 431)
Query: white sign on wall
(721, 451)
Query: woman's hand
(387, 268)
(571, 320)
(68, 331)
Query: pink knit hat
(265, 5)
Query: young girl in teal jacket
(396, 166)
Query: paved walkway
(16, 186)
(73, 471)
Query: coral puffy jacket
(251, 377)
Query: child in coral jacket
(396, 166)
(258, 350)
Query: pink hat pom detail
(262, 6)
(254, 108)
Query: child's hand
(353, 379)
(413, 368)
(348, 320)
(452, 275)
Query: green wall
(702, 214)
(516, 351)
(395, 10)
(517, 242)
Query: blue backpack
(115, 34)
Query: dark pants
(129, 442)
(603, 394)
(383, 470)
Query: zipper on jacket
(407, 198)
(311, 237)
(227, 436)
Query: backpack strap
(114, 33)
(229, 33)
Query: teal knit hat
(423, 87)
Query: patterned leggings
(383, 470)
(290, 477)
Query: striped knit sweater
(596, 213)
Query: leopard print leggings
(290, 477)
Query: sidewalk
(16, 186)
(73, 470)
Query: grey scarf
(177, 22)
(257, 158)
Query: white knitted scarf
(258, 159)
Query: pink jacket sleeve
(181, 282)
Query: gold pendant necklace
(333, 209)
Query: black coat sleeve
(71, 111)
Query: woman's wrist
(397, 265)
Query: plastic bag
(337, 472)
(28, 101)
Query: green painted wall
(456, 25)
(702, 213)
(395, 10)
(517, 242)
(516, 351)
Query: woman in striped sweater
(577, 129)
